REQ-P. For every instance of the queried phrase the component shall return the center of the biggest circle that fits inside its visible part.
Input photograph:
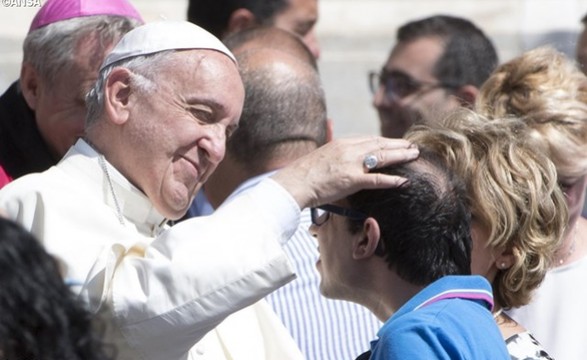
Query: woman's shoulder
(524, 346)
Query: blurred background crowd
(356, 37)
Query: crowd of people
(174, 190)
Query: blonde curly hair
(547, 91)
(513, 192)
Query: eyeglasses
(321, 214)
(398, 85)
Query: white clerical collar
(132, 202)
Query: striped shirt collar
(471, 287)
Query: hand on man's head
(337, 169)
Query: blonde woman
(518, 211)
(549, 93)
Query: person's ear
(368, 240)
(467, 95)
(117, 95)
(329, 130)
(504, 260)
(239, 20)
(29, 84)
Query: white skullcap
(159, 36)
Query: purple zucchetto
(57, 10)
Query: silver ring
(370, 162)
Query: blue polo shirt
(449, 319)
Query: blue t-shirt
(449, 319)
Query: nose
(379, 98)
(213, 142)
(311, 40)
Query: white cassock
(163, 287)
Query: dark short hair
(39, 316)
(213, 15)
(469, 56)
(425, 224)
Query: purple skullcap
(159, 36)
(58, 10)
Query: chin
(175, 210)
(327, 291)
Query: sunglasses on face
(321, 214)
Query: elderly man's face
(60, 109)
(418, 95)
(300, 18)
(177, 133)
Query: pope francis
(166, 98)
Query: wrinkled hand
(336, 169)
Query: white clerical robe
(164, 288)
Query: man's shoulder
(37, 189)
(452, 314)
(34, 182)
(444, 330)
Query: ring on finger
(370, 161)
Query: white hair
(139, 66)
(51, 49)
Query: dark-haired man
(437, 65)
(405, 254)
(225, 17)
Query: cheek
(72, 121)
(575, 197)
(434, 102)
(61, 124)
(173, 192)
(324, 242)
(481, 258)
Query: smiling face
(176, 134)
(414, 61)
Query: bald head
(273, 38)
(284, 115)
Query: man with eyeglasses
(405, 254)
(437, 65)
